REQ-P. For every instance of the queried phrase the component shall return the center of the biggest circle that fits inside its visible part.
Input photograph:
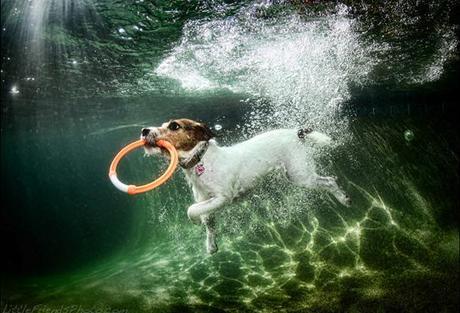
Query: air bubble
(14, 90)
(409, 135)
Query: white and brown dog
(220, 174)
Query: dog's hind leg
(302, 178)
(330, 184)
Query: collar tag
(199, 169)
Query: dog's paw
(344, 200)
(347, 201)
(211, 248)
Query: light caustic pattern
(300, 265)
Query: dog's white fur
(230, 171)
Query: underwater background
(80, 78)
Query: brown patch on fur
(303, 132)
(187, 136)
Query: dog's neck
(195, 155)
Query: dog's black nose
(145, 131)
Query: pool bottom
(246, 276)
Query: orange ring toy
(132, 189)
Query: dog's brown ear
(204, 132)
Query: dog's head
(183, 134)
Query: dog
(218, 175)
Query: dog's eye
(173, 126)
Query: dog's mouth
(149, 146)
(149, 141)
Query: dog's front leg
(204, 208)
(210, 222)
(202, 212)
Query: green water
(74, 243)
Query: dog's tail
(317, 137)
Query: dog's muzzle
(149, 136)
